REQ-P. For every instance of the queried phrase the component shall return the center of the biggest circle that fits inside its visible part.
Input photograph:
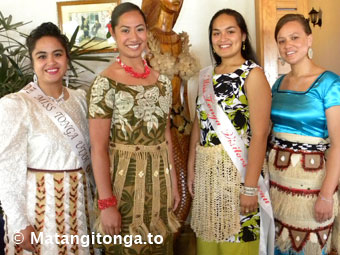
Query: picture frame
(92, 17)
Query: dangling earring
(282, 61)
(243, 45)
(144, 53)
(310, 53)
(67, 79)
(35, 78)
(214, 51)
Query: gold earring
(310, 53)
(243, 45)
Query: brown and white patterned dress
(140, 168)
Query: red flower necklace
(130, 71)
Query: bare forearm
(332, 172)
(256, 154)
(101, 171)
(99, 136)
(259, 113)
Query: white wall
(193, 19)
(195, 16)
(326, 39)
(37, 11)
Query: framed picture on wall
(92, 17)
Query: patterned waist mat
(53, 171)
(298, 146)
(300, 236)
(139, 148)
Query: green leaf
(4, 67)
(16, 69)
(9, 20)
(15, 65)
(73, 38)
(83, 66)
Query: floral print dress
(231, 97)
(138, 122)
(139, 113)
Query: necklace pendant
(130, 70)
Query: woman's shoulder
(77, 99)
(254, 70)
(103, 79)
(277, 83)
(250, 64)
(100, 86)
(249, 68)
(14, 104)
(78, 94)
(327, 83)
(110, 75)
(17, 98)
(325, 80)
(329, 76)
(165, 81)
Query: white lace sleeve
(13, 161)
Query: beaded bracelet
(249, 191)
(107, 202)
(325, 199)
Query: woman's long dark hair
(248, 52)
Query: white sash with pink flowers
(238, 153)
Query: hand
(323, 209)
(26, 244)
(248, 204)
(111, 221)
(190, 183)
(175, 198)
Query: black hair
(124, 8)
(47, 29)
(292, 17)
(248, 52)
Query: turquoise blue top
(304, 113)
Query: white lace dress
(54, 201)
